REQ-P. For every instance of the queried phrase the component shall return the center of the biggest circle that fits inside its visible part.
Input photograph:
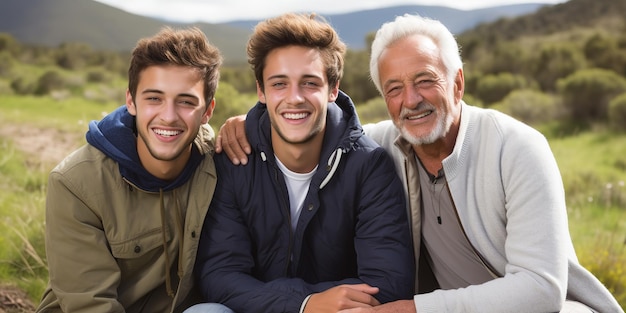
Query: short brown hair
(184, 47)
(292, 29)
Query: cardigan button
(193, 234)
(137, 249)
(310, 208)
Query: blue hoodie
(115, 135)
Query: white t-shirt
(298, 187)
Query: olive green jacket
(105, 237)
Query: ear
(130, 104)
(260, 93)
(209, 111)
(333, 93)
(459, 86)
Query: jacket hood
(343, 129)
(116, 136)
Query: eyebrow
(417, 75)
(162, 93)
(282, 76)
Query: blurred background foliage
(562, 70)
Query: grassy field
(593, 166)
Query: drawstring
(181, 235)
(334, 159)
(333, 163)
(168, 279)
(179, 229)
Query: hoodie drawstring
(179, 229)
(333, 163)
(181, 235)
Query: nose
(294, 95)
(411, 96)
(168, 112)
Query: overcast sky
(217, 11)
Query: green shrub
(471, 100)
(555, 61)
(587, 93)
(97, 76)
(617, 113)
(22, 86)
(7, 63)
(49, 81)
(372, 111)
(531, 106)
(493, 88)
(228, 103)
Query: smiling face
(421, 99)
(169, 107)
(297, 94)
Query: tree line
(572, 75)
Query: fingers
(364, 294)
(232, 140)
(341, 298)
(363, 288)
(354, 310)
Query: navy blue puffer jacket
(353, 227)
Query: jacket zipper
(288, 211)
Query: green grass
(70, 114)
(593, 166)
(22, 198)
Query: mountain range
(52, 23)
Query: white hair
(408, 25)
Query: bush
(228, 103)
(587, 93)
(617, 113)
(22, 86)
(471, 100)
(49, 81)
(98, 76)
(604, 52)
(9, 44)
(372, 111)
(531, 107)
(7, 63)
(555, 61)
(493, 88)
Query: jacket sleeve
(83, 273)
(383, 242)
(225, 262)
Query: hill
(354, 27)
(51, 23)
(573, 14)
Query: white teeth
(295, 116)
(166, 133)
(415, 117)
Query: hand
(232, 139)
(342, 297)
(401, 306)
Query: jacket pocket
(139, 245)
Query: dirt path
(42, 146)
(13, 300)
